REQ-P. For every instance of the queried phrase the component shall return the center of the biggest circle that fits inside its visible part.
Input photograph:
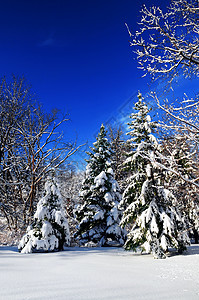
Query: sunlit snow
(98, 274)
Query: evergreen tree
(155, 223)
(49, 230)
(99, 216)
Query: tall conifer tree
(99, 216)
(155, 223)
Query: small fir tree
(99, 216)
(155, 223)
(49, 230)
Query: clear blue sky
(75, 54)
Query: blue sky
(76, 56)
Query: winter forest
(139, 187)
(89, 226)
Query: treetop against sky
(76, 56)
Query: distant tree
(119, 147)
(70, 182)
(155, 222)
(49, 230)
(183, 161)
(99, 216)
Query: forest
(139, 187)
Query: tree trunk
(196, 236)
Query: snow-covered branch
(168, 42)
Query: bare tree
(70, 182)
(30, 146)
(13, 101)
(167, 43)
(182, 121)
(184, 161)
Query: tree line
(147, 209)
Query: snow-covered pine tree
(99, 216)
(49, 230)
(155, 223)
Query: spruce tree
(155, 223)
(49, 230)
(99, 216)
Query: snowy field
(102, 273)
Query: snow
(148, 118)
(99, 215)
(100, 179)
(147, 126)
(114, 229)
(164, 244)
(96, 274)
(41, 211)
(114, 213)
(167, 225)
(109, 221)
(110, 171)
(148, 170)
(154, 227)
(108, 197)
(115, 186)
(46, 229)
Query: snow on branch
(168, 42)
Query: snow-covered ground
(97, 273)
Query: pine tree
(155, 223)
(49, 230)
(99, 216)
